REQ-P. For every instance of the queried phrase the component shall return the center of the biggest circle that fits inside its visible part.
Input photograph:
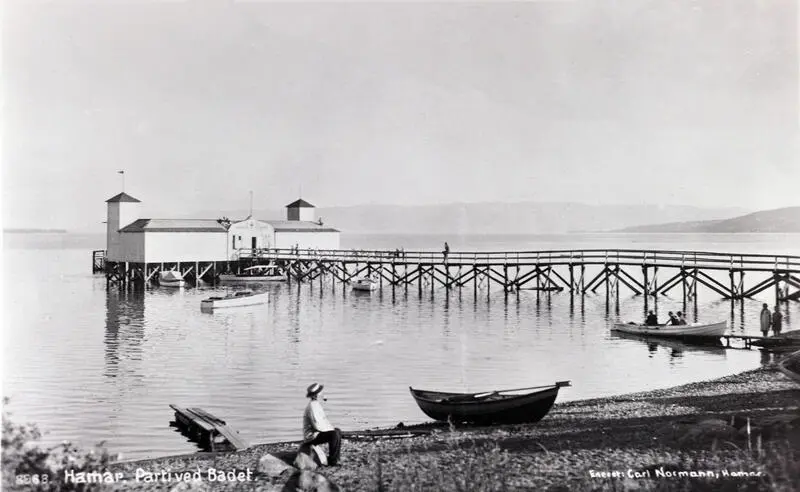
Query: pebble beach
(739, 432)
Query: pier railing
(630, 257)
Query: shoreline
(575, 441)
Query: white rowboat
(706, 330)
(171, 278)
(237, 299)
(258, 273)
(365, 284)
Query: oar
(558, 384)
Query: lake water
(91, 365)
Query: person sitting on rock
(316, 428)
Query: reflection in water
(676, 347)
(124, 331)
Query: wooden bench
(209, 431)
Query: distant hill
(493, 218)
(34, 231)
(778, 220)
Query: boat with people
(236, 299)
(257, 273)
(171, 278)
(690, 330)
(512, 406)
(365, 284)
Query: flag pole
(123, 179)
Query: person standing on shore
(766, 320)
(317, 429)
(777, 321)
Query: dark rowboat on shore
(512, 406)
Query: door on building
(253, 242)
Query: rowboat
(171, 278)
(693, 330)
(237, 299)
(790, 366)
(365, 284)
(501, 407)
(258, 273)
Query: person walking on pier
(766, 320)
(317, 429)
(777, 321)
(446, 251)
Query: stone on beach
(193, 485)
(308, 480)
(304, 461)
(274, 467)
(286, 477)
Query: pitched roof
(122, 197)
(298, 226)
(299, 203)
(174, 225)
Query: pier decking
(554, 270)
(211, 432)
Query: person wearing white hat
(317, 429)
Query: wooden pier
(575, 271)
(212, 433)
(98, 260)
(747, 339)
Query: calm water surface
(89, 365)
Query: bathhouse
(301, 229)
(132, 239)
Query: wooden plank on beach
(187, 418)
(232, 437)
(209, 417)
(209, 426)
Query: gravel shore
(655, 440)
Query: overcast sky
(674, 102)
